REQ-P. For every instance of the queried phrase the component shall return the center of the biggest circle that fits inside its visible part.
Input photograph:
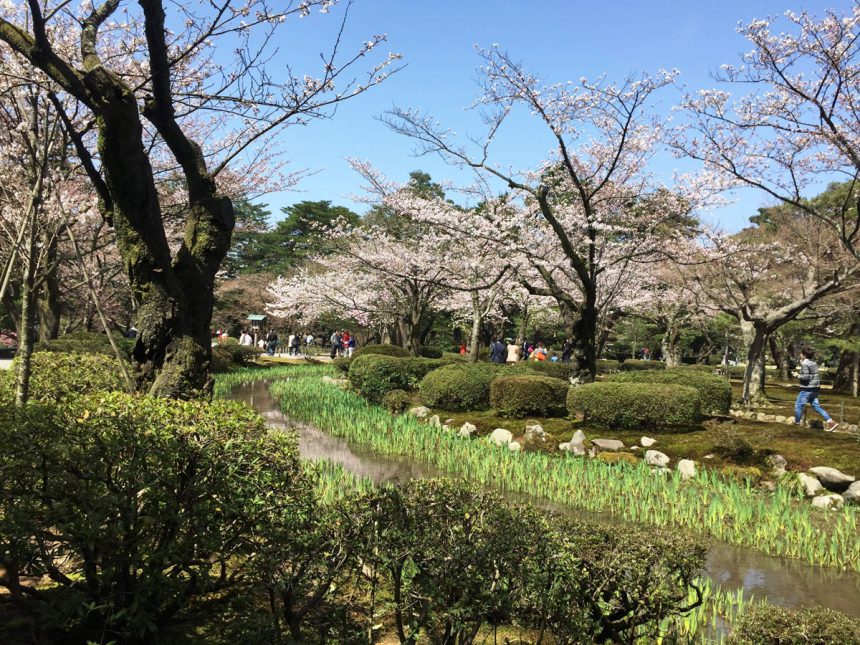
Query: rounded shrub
(396, 401)
(556, 370)
(715, 393)
(56, 376)
(342, 364)
(240, 354)
(632, 364)
(222, 359)
(699, 367)
(372, 375)
(136, 507)
(635, 405)
(765, 624)
(383, 349)
(430, 352)
(459, 386)
(520, 396)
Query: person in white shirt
(290, 344)
(246, 338)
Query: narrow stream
(784, 582)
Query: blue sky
(558, 40)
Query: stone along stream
(784, 582)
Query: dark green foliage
(520, 396)
(606, 366)
(396, 401)
(372, 375)
(430, 352)
(765, 624)
(342, 364)
(459, 386)
(57, 376)
(699, 367)
(555, 370)
(135, 507)
(632, 364)
(715, 393)
(733, 444)
(382, 350)
(86, 342)
(222, 359)
(229, 354)
(635, 405)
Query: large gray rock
(853, 493)
(535, 438)
(687, 468)
(608, 444)
(501, 437)
(579, 438)
(811, 485)
(647, 442)
(420, 412)
(656, 458)
(434, 421)
(777, 465)
(832, 479)
(467, 429)
(832, 500)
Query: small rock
(635, 447)
(851, 427)
(514, 446)
(687, 468)
(446, 427)
(535, 438)
(810, 484)
(767, 418)
(579, 438)
(780, 419)
(421, 412)
(449, 421)
(831, 478)
(768, 485)
(467, 429)
(832, 500)
(501, 437)
(709, 456)
(853, 493)
(777, 465)
(534, 428)
(563, 446)
(656, 458)
(647, 442)
(434, 421)
(608, 444)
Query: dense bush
(699, 367)
(715, 393)
(556, 370)
(134, 507)
(459, 386)
(396, 401)
(57, 376)
(381, 350)
(430, 352)
(342, 364)
(765, 624)
(372, 375)
(86, 342)
(222, 359)
(241, 354)
(632, 364)
(520, 396)
(607, 366)
(635, 405)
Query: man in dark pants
(498, 352)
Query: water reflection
(785, 582)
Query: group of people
(526, 351)
(342, 344)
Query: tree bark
(50, 305)
(25, 334)
(755, 340)
(669, 345)
(476, 327)
(846, 373)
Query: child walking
(810, 383)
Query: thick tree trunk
(585, 337)
(50, 305)
(474, 338)
(669, 345)
(846, 373)
(755, 341)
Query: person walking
(295, 342)
(271, 342)
(810, 383)
(350, 346)
(290, 344)
(498, 353)
(513, 352)
(335, 341)
(246, 339)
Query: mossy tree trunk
(173, 294)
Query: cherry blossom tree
(592, 208)
(140, 89)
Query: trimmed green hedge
(555, 370)
(430, 352)
(764, 624)
(635, 405)
(520, 396)
(632, 364)
(57, 377)
(459, 386)
(342, 364)
(381, 350)
(396, 401)
(606, 366)
(372, 375)
(86, 342)
(715, 393)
